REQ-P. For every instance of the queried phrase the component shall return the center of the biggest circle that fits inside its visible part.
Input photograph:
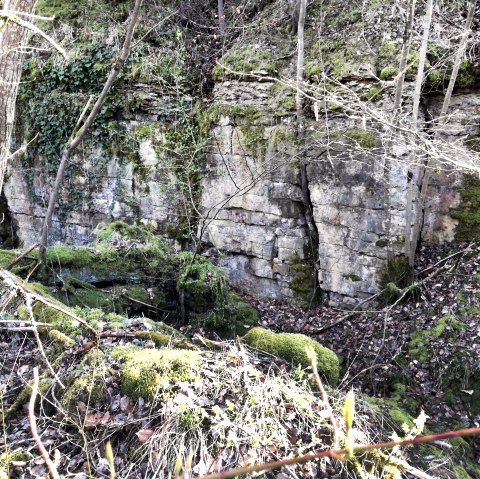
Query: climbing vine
(53, 99)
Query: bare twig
(28, 305)
(25, 253)
(33, 427)
(13, 17)
(340, 454)
(348, 315)
(325, 400)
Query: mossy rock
(44, 385)
(304, 281)
(468, 213)
(292, 347)
(234, 317)
(120, 298)
(395, 275)
(153, 373)
(86, 383)
(8, 458)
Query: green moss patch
(468, 214)
(304, 281)
(292, 347)
(147, 373)
(248, 119)
(394, 407)
(420, 339)
(87, 382)
(244, 59)
(396, 275)
(9, 458)
(365, 139)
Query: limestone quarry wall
(228, 171)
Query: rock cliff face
(230, 171)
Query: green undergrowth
(291, 347)
(87, 383)
(132, 271)
(394, 277)
(152, 373)
(400, 409)
(447, 325)
(460, 456)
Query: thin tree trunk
(300, 119)
(407, 40)
(77, 137)
(221, 17)
(312, 230)
(445, 106)
(13, 38)
(410, 240)
(300, 61)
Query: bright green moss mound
(291, 347)
(150, 373)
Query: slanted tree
(13, 38)
(427, 166)
(83, 126)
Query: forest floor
(429, 342)
(422, 353)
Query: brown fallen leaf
(93, 419)
(144, 435)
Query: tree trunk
(445, 106)
(78, 136)
(13, 38)
(300, 120)
(410, 239)
(407, 39)
(221, 17)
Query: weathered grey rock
(251, 212)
